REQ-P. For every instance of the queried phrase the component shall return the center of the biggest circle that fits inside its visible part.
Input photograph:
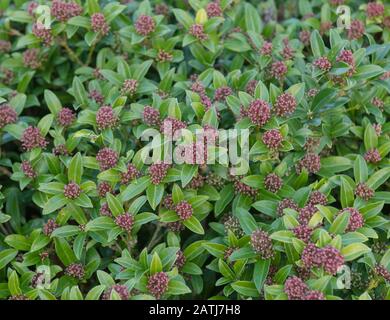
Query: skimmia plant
(91, 90)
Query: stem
(70, 52)
(357, 107)
(118, 247)
(155, 238)
(90, 53)
(14, 32)
(4, 230)
(92, 49)
(5, 171)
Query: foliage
(83, 217)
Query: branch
(70, 52)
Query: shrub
(302, 211)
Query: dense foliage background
(84, 218)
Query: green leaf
(40, 242)
(252, 19)
(177, 194)
(113, 77)
(6, 256)
(75, 170)
(243, 253)
(65, 231)
(19, 15)
(365, 296)
(370, 138)
(298, 91)
(93, 6)
(340, 223)
(245, 288)
(218, 79)
(18, 102)
(360, 169)
(75, 293)
(346, 193)
(247, 221)
(79, 21)
(322, 98)
(155, 265)
(225, 270)
(192, 268)
(90, 37)
(237, 43)
(54, 203)
(183, 18)
(368, 71)
(353, 237)
(260, 273)
(27, 40)
(142, 70)
(290, 221)
(135, 188)
(187, 173)
(112, 10)
(46, 295)
(226, 196)
(254, 181)
(4, 218)
(216, 249)
(104, 278)
(371, 209)
(45, 123)
(315, 220)
(79, 92)
(114, 204)
(143, 218)
(13, 284)
(176, 287)
(194, 250)
(282, 274)
(15, 130)
(100, 224)
(354, 250)
(317, 44)
(83, 201)
(95, 293)
(261, 91)
(154, 194)
(64, 251)
(194, 225)
(168, 216)
(385, 261)
(267, 207)
(13, 206)
(78, 244)
(18, 242)
(321, 283)
(335, 164)
(282, 236)
(379, 178)
(25, 81)
(53, 103)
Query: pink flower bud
(72, 190)
(107, 158)
(262, 244)
(184, 210)
(158, 284)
